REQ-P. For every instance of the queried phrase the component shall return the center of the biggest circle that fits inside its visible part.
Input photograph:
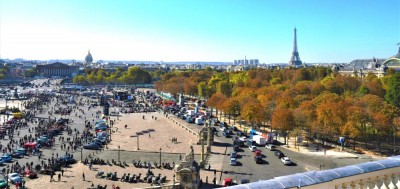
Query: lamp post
(138, 142)
(173, 182)
(118, 152)
(160, 156)
(81, 154)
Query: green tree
(393, 90)
(31, 72)
(224, 87)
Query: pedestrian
(59, 177)
(83, 176)
(149, 135)
(209, 167)
(180, 156)
(62, 172)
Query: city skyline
(213, 31)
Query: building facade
(57, 70)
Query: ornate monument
(295, 59)
(181, 100)
(188, 172)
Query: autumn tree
(217, 101)
(283, 120)
(232, 107)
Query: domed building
(361, 67)
(89, 58)
(393, 62)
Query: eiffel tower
(295, 59)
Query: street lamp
(160, 156)
(173, 182)
(118, 152)
(138, 142)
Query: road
(272, 166)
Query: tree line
(133, 75)
(314, 101)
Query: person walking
(83, 176)
(59, 177)
(62, 172)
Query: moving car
(233, 154)
(258, 159)
(279, 154)
(286, 161)
(14, 178)
(252, 148)
(270, 147)
(233, 161)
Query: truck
(259, 140)
(190, 112)
(199, 121)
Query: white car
(253, 148)
(286, 161)
(14, 178)
(233, 161)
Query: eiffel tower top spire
(295, 59)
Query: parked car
(43, 139)
(22, 151)
(103, 140)
(14, 178)
(233, 161)
(67, 159)
(279, 154)
(2, 161)
(244, 181)
(270, 147)
(91, 146)
(7, 158)
(17, 154)
(286, 161)
(252, 148)
(3, 183)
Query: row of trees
(133, 75)
(4, 71)
(324, 104)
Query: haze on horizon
(224, 30)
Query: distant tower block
(295, 59)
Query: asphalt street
(272, 166)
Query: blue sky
(199, 30)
